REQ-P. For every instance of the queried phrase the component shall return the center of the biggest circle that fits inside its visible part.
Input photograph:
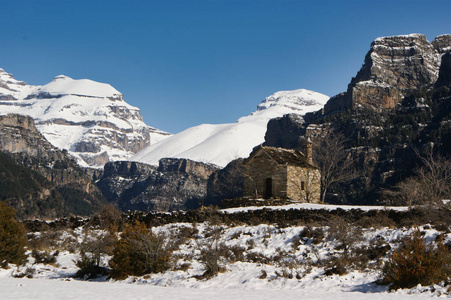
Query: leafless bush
(44, 257)
(316, 235)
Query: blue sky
(189, 62)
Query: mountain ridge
(221, 143)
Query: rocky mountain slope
(398, 104)
(176, 184)
(89, 119)
(38, 179)
(221, 143)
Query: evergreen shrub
(12, 237)
(417, 262)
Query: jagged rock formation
(177, 184)
(398, 102)
(89, 119)
(394, 67)
(38, 179)
(285, 131)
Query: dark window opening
(302, 185)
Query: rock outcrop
(394, 67)
(177, 184)
(60, 186)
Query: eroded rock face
(177, 184)
(60, 186)
(285, 131)
(394, 67)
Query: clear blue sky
(189, 62)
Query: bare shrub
(93, 248)
(139, 252)
(431, 183)
(379, 220)
(110, 218)
(315, 234)
(346, 234)
(44, 257)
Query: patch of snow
(314, 206)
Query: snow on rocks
(89, 119)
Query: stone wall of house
(303, 184)
(258, 171)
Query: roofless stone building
(282, 174)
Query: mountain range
(397, 105)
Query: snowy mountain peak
(61, 77)
(296, 99)
(221, 143)
(89, 119)
(64, 85)
(288, 102)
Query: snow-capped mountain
(221, 143)
(89, 119)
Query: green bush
(139, 252)
(416, 262)
(12, 237)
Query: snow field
(279, 263)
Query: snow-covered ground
(315, 206)
(221, 143)
(286, 268)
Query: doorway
(268, 188)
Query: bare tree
(408, 191)
(430, 184)
(335, 163)
(434, 177)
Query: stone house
(272, 172)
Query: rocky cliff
(398, 103)
(176, 184)
(38, 179)
(394, 67)
(89, 119)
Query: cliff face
(60, 186)
(398, 102)
(177, 184)
(394, 67)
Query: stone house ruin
(279, 173)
